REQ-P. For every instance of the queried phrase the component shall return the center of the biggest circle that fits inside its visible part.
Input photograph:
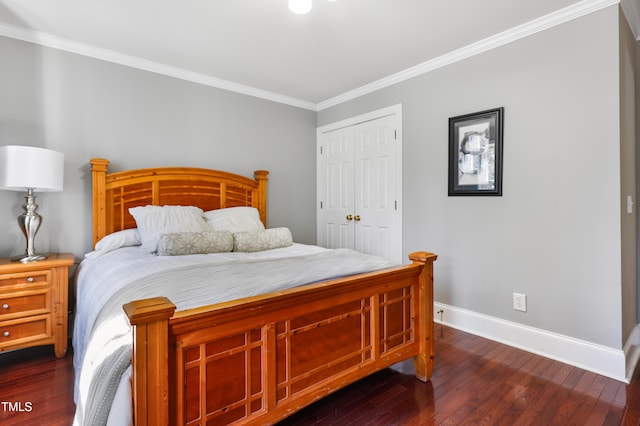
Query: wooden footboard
(259, 359)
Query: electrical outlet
(520, 302)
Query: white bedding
(102, 277)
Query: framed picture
(475, 153)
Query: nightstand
(34, 303)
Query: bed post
(98, 180)
(261, 177)
(423, 362)
(150, 360)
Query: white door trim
(351, 121)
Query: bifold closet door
(358, 188)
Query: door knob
(357, 218)
(349, 217)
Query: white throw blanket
(108, 352)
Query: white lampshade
(300, 6)
(24, 167)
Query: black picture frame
(475, 153)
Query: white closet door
(376, 220)
(360, 184)
(336, 182)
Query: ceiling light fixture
(300, 6)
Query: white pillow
(153, 221)
(125, 238)
(234, 219)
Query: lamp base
(29, 222)
(32, 258)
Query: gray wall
(89, 108)
(555, 234)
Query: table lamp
(30, 169)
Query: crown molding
(584, 7)
(561, 16)
(48, 40)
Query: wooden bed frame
(259, 359)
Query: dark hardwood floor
(36, 388)
(475, 382)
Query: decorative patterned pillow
(153, 221)
(234, 219)
(262, 240)
(180, 243)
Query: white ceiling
(260, 48)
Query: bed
(249, 359)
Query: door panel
(377, 232)
(336, 175)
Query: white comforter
(105, 281)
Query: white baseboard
(589, 356)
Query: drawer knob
(5, 334)
(5, 306)
(30, 279)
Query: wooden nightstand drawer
(21, 280)
(14, 333)
(26, 303)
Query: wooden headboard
(114, 193)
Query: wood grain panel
(259, 359)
